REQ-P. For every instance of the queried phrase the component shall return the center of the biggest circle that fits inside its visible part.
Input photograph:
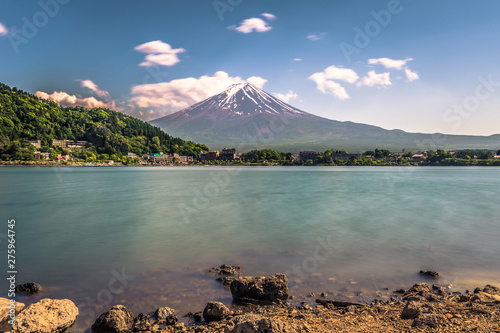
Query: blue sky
(420, 66)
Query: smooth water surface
(350, 231)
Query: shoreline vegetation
(264, 157)
(264, 304)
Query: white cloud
(3, 30)
(159, 53)
(290, 95)
(325, 81)
(410, 75)
(177, 94)
(251, 25)
(257, 81)
(390, 63)
(94, 88)
(297, 59)
(373, 79)
(64, 99)
(315, 37)
(268, 16)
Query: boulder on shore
(118, 319)
(46, 316)
(166, 314)
(6, 307)
(271, 289)
(215, 311)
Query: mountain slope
(244, 113)
(25, 117)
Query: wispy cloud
(3, 30)
(93, 87)
(254, 24)
(297, 59)
(326, 81)
(64, 99)
(373, 79)
(268, 16)
(390, 63)
(159, 53)
(410, 75)
(290, 95)
(177, 94)
(315, 37)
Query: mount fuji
(247, 117)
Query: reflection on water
(146, 237)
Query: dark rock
(226, 270)
(226, 280)
(429, 319)
(441, 288)
(28, 288)
(399, 291)
(198, 316)
(429, 274)
(412, 310)
(141, 323)
(419, 288)
(349, 309)
(482, 297)
(46, 315)
(271, 289)
(489, 289)
(215, 311)
(324, 294)
(118, 319)
(166, 314)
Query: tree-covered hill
(25, 117)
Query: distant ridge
(243, 113)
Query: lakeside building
(41, 156)
(228, 154)
(203, 156)
(308, 155)
(77, 144)
(68, 143)
(37, 143)
(212, 155)
(418, 157)
(131, 155)
(58, 143)
(346, 157)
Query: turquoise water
(167, 226)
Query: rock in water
(225, 270)
(215, 311)
(118, 319)
(46, 316)
(166, 314)
(271, 289)
(429, 274)
(29, 288)
(6, 307)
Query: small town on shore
(80, 153)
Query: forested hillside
(24, 117)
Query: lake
(146, 237)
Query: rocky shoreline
(263, 304)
